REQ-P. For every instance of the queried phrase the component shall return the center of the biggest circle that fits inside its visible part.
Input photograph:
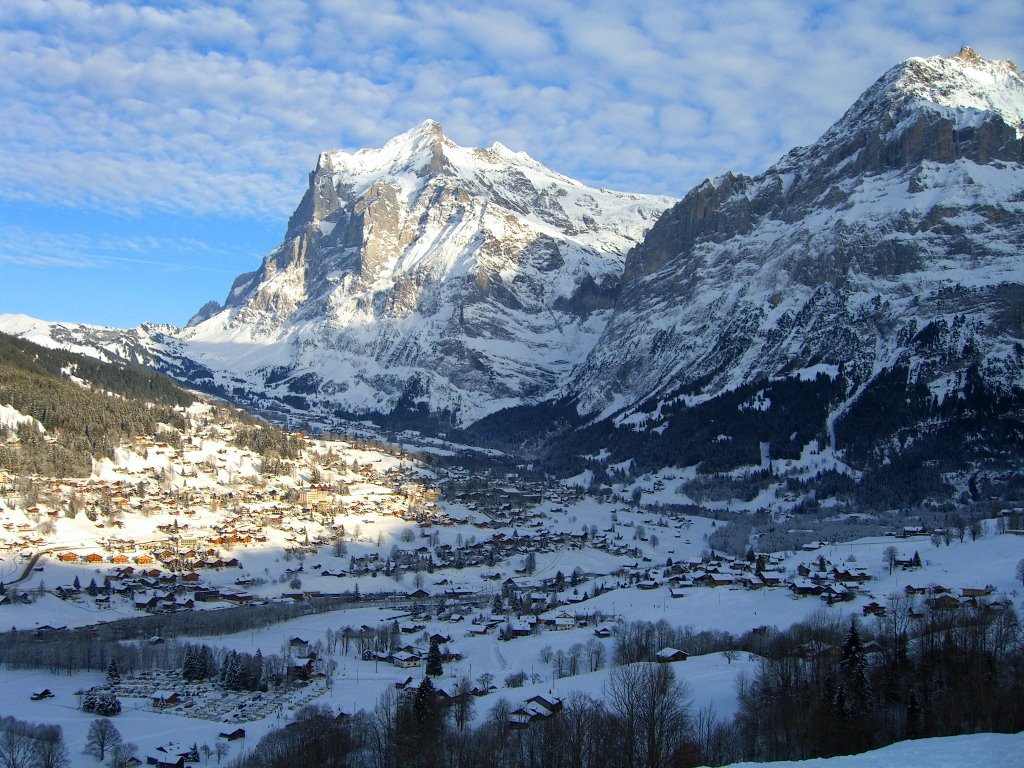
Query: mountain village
(427, 558)
(743, 471)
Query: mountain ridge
(881, 259)
(438, 286)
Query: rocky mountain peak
(965, 83)
(422, 148)
(905, 210)
(422, 271)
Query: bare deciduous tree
(652, 711)
(122, 754)
(890, 555)
(103, 736)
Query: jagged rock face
(424, 272)
(893, 242)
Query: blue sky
(150, 152)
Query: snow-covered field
(974, 751)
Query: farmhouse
(667, 655)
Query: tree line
(91, 648)
(27, 745)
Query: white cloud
(222, 107)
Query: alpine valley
(570, 478)
(846, 325)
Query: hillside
(949, 752)
(64, 410)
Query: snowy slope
(949, 752)
(890, 246)
(420, 274)
(465, 279)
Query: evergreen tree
(434, 668)
(496, 606)
(77, 584)
(914, 719)
(190, 666)
(102, 702)
(256, 683)
(113, 673)
(427, 718)
(207, 665)
(839, 703)
(854, 666)
(234, 677)
(559, 582)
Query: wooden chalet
(405, 659)
(164, 699)
(668, 655)
(714, 580)
(874, 609)
(944, 603)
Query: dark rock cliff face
(902, 223)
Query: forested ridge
(119, 401)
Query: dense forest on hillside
(84, 420)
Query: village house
(667, 655)
(536, 708)
(302, 670)
(299, 648)
(405, 660)
(944, 602)
(163, 699)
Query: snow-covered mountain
(426, 273)
(860, 298)
(418, 278)
(886, 257)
